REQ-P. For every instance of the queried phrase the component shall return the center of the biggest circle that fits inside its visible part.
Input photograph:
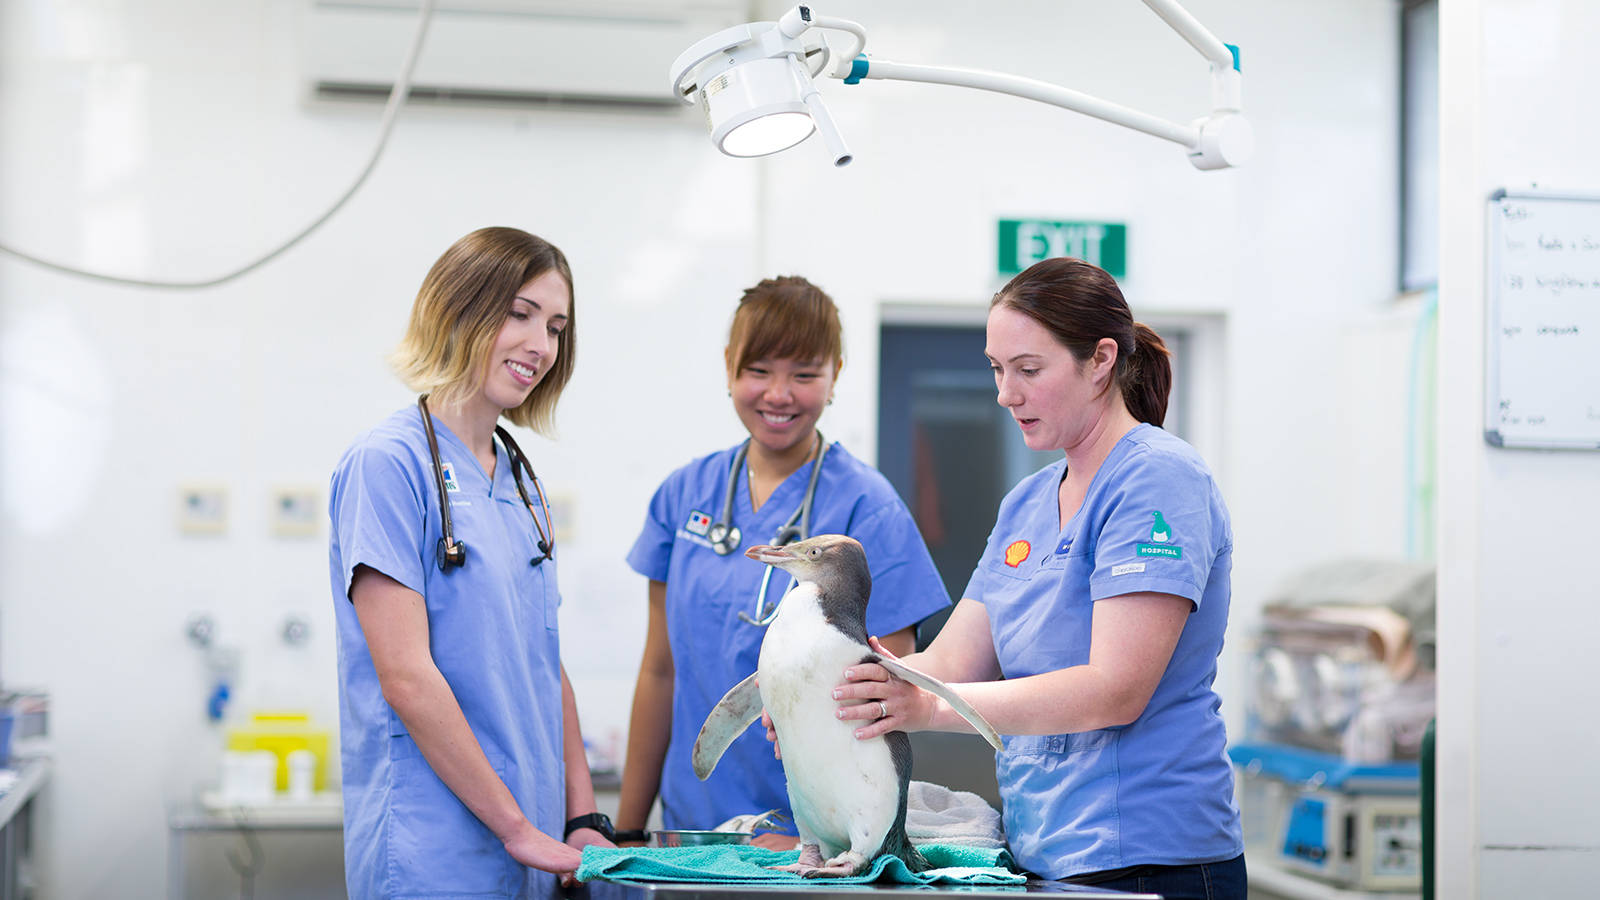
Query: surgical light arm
(1219, 140)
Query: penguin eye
(816, 552)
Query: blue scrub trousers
(1206, 881)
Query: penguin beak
(772, 556)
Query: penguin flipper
(739, 707)
(934, 686)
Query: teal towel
(743, 863)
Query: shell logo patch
(1016, 552)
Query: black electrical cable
(247, 872)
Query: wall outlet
(296, 511)
(202, 509)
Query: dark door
(945, 444)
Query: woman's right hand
(534, 848)
(872, 697)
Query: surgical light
(755, 83)
(756, 109)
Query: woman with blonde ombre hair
(463, 763)
(784, 352)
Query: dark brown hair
(1079, 303)
(786, 317)
(460, 309)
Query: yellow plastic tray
(282, 733)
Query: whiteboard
(1543, 342)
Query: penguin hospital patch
(698, 523)
(1016, 552)
(1160, 540)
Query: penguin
(848, 795)
(1160, 532)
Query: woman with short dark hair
(784, 352)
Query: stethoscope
(450, 552)
(725, 536)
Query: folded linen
(744, 863)
(938, 815)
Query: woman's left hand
(579, 839)
(585, 837)
(880, 701)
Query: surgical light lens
(757, 107)
(768, 134)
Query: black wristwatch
(598, 821)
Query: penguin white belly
(845, 792)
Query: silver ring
(883, 711)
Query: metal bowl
(685, 838)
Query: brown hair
(1079, 303)
(786, 317)
(460, 309)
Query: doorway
(950, 450)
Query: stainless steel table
(824, 890)
(251, 824)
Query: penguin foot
(810, 860)
(842, 866)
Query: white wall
(171, 141)
(1518, 597)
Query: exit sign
(1024, 242)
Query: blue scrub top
(713, 649)
(492, 633)
(1159, 790)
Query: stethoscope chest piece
(450, 555)
(724, 538)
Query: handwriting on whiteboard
(1545, 330)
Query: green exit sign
(1024, 242)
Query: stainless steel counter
(824, 890)
(16, 825)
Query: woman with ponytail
(1090, 630)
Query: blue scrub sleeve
(378, 518)
(651, 555)
(1159, 534)
(906, 587)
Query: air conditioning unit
(523, 52)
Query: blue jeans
(1205, 881)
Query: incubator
(1342, 691)
(1343, 662)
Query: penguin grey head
(837, 564)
